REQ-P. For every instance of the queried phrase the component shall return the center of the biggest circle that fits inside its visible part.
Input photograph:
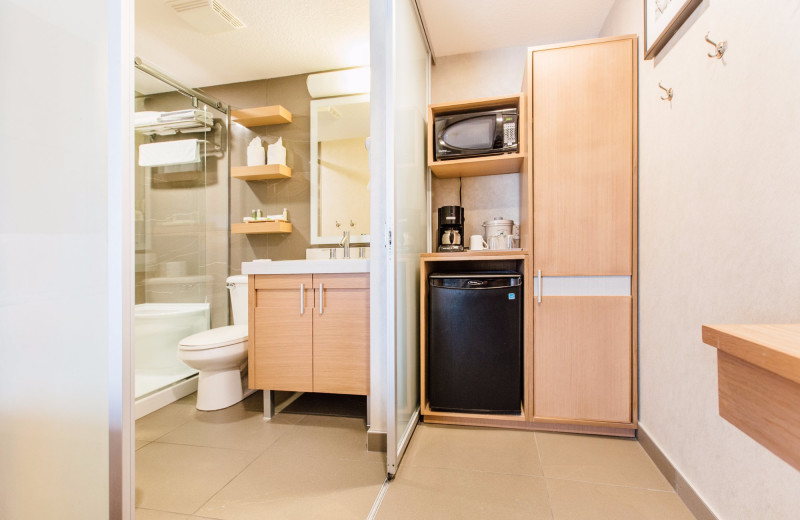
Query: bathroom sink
(355, 265)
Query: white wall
(60, 262)
(719, 241)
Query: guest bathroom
(217, 184)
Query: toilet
(220, 354)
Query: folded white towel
(170, 152)
(146, 118)
(183, 115)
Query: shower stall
(181, 235)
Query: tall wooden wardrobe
(579, 221)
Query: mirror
(339, 169)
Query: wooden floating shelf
(478, 166)
(261, 228)
(261, 173)
(260, 116)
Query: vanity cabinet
(309, 333)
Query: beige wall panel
(582, 159)
(582, 358)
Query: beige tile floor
(478, 473)
(232, 465)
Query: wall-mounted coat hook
(668, 97)
(719, 48)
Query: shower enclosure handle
(320, 299)
(302, 298)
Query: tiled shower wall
(271, 196)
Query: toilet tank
(237, 285)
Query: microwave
(472, 134)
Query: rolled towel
(170, 152)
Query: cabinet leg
(269, 404)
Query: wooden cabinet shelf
(474, 167)
(261, 116)
(478, 166)
(261, 228)
(261, 173)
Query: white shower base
(160, 377)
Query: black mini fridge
(474, 343)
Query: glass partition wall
(181, 216)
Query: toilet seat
(215, 338)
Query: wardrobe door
(583, 164)
(582, 359)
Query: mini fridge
(474, 342)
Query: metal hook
(668, 97)
(719, 48)
(352, 224)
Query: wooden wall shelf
(261, 173)
(261, 228)
(260, 116)
(479, 166)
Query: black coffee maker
(451, 229)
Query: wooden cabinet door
(582, 363)
(341, 333)
(282, 352)
(583, 137)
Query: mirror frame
(314, 171)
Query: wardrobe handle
(302, 298)
(320, 299)
(539, 283)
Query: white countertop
(354, 265)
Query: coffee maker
(451, 229)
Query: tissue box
(276, 153)
(256, 155)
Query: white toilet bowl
(219, 355)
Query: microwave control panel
(509, 134)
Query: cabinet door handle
(302, 298)
(539, 283)
(320, 299)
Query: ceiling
(463, 26)
(287, 37)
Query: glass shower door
(181, 235)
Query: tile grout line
(373, 513)
(541, 467)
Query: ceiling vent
(207, 16)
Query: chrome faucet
(345, 242)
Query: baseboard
(161, 398)
(376, 441)
(683, 489)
